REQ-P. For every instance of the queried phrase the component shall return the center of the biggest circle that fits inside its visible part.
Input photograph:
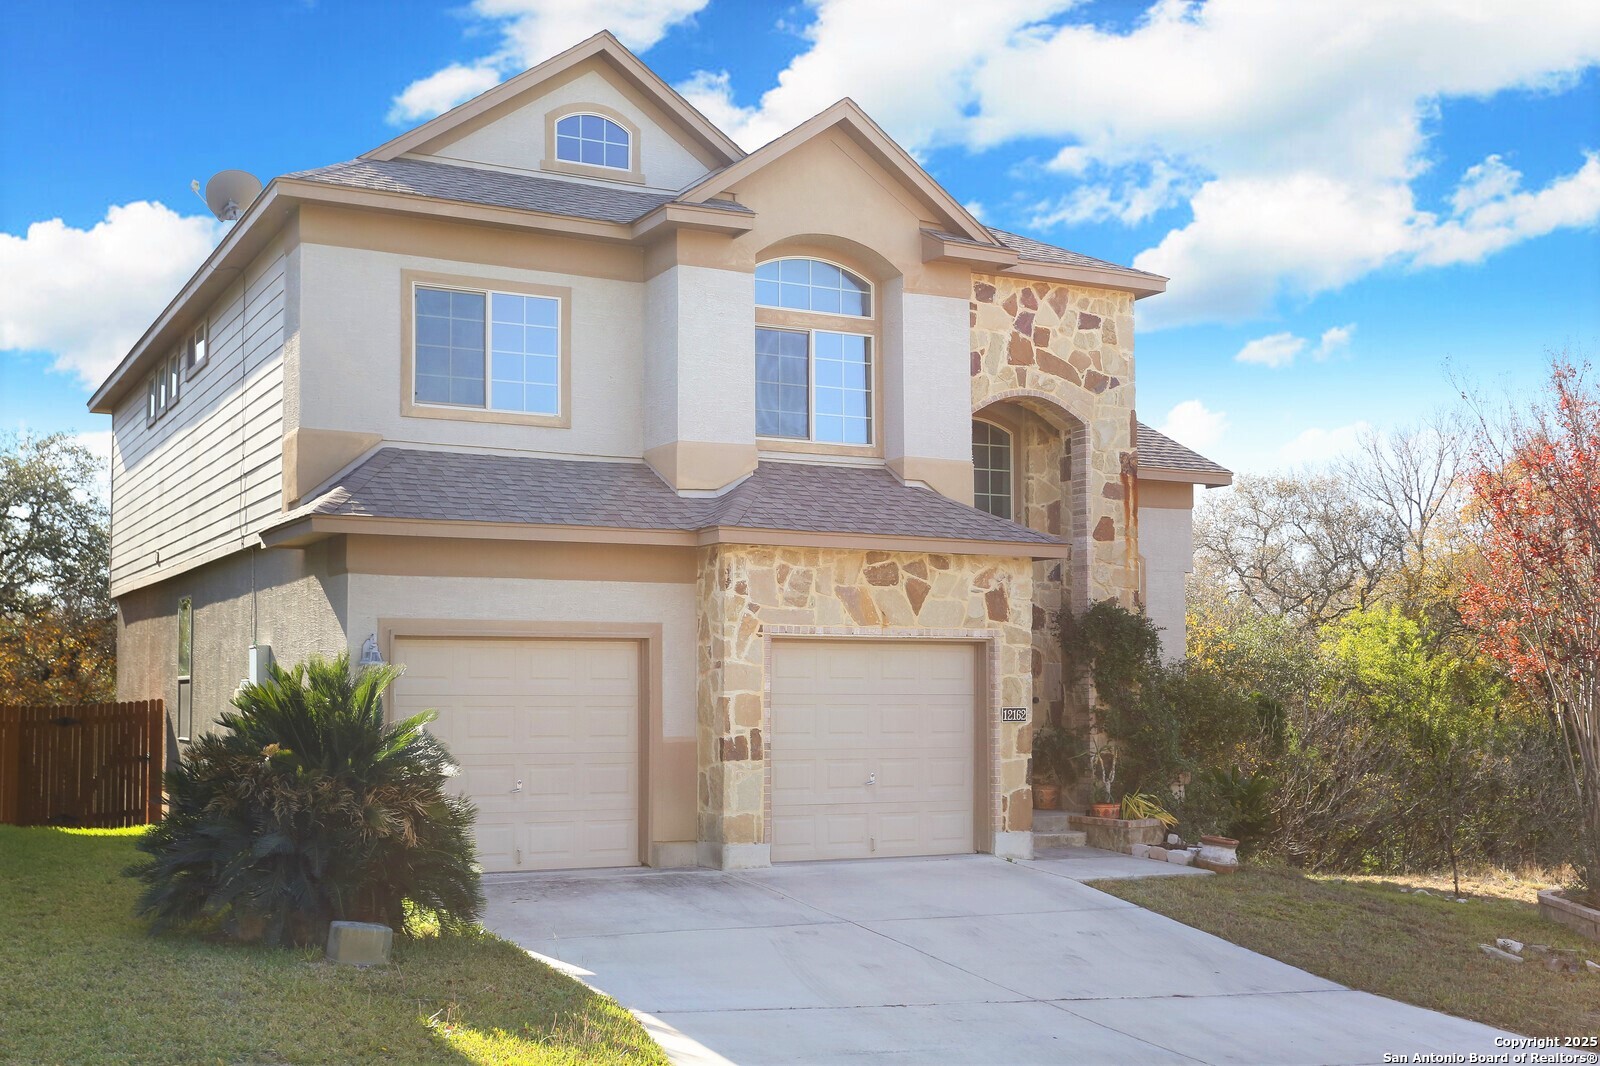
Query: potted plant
(1103, 772)
(1050, 752)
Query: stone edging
(1555, 906)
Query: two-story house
(718, 501)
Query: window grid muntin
(540, 368)
(783, 383)
(524, 353)
(814, 285)
(593, 140)
(450, 342)
(993, 469)
(838, 387)
(841, 392)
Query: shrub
(306, 808)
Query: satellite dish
(230, 192)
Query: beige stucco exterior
(658, 368)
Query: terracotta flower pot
(1105, 810)
(1046, 797)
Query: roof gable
(602, 53)
(847, 116)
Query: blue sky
(1348, 195)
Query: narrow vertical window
(993, 485)
(195, 352)
(183, 709)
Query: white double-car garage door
(872, 745)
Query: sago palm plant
(305, 807)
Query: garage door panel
(561, 718)
(844, 712)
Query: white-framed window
(593, 140)
(152, 398)
(195, 352)
(480, 348)
(812, 285)
(993, 470)
(174, 377)
(814, 384)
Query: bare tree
(1413, 477)
(1308, 548)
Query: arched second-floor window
(593, 140)
(814, 374)
(993, 470)
(812, 285)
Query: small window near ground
(594, 141)
(183, 709)
(993, 486)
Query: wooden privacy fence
(95, 765)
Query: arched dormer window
(815, 374)
(812, 285)
(595, 141)
(993, 469)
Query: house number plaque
(1013, 714)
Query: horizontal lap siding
(179, 486)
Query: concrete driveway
(960, 960)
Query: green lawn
(1369, 935)
(81, 981)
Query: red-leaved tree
(1535, 603)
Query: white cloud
(442, 90)
(1274, 350)
(1280, 349)
(910, 63)
(1192, 424)
(1316, 447)
(530, 31)
(1130, 202)
(1492, 212)
(1335, 339)
(1298, 129)
(85, 296)
(98, 444)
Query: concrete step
(1051, 821)
(1064, 839)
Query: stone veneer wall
(1044, 456)
(1067, 353)
(749, 594)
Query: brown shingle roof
(498, 188)
(404, 483)
(1159, 450)
(1039, 252)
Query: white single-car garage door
(872, 749)
(547, 735)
